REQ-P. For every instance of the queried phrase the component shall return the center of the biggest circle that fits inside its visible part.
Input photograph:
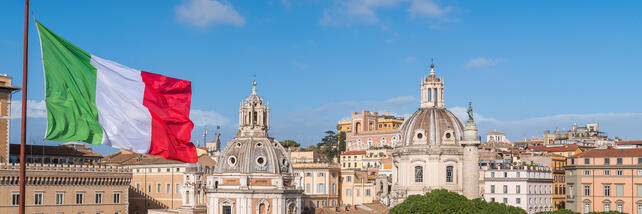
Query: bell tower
(432, 90)
(254, 120)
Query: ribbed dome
(254, 155)
(431, 126)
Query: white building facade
(529, 188)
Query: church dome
(431, 126)
(254, 155)
(252, 150)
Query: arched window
(449, 174)
(334, 188)
(419, 174)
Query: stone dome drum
(254, 155)
(431, 126)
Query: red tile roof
(611, 152)
(565, 148)
(362, 152)
(630, 142)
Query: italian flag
(99, 101)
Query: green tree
(289, 143)
(310, 148)
(443, 201)
(341, 138)
(328, 144)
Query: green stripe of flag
(70, 90)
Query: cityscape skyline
(378, 58)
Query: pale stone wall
(69, 180)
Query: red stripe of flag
(168, 100)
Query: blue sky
(526, 66)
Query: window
(505, 174)
(505, 200)
(518, 200)
(518, 174)
(80, 196)
(307, 188)
(607, 190)
(116, 197)
(349, 178)
(99, 197)
(492, 174)
(492, 199)
(358, 192)
(227, 209)
(149, 187)
(320, 174)
(519, 189)
(607, 207)
(138, 186)
(334, 188)
(492, 188)
(587, 190)
(587, 207)
(640, 173)
(620, 208)
(607, 172)
(419, 174)
(607, 161)
(640, 162)
(60, 197)
(307, 174)
(639, 191)
(619, 172)
(178, 188)
(158, 187)
(15, 198)
(587, 161)
(587, 172)
(449, 174)
(37, 198)
(321, 188)
(367, 192)
(168, 188)
(505, 189)
(348, 192)
(619, 161)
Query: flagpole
(23, 119)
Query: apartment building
(527, 187)
(605, 180)
(356, 187)
(66, 189)
(320, 182)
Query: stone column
(471, 161)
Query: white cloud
(35, 109)
(624, 125)
(203, 13)
(481, 62)
(349, 12)
(207, 118)
(428, 9)
(410, 59)
(287, 4)
(300, 65)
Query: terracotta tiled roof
(362, 152)
(59, 150)
(611, 152)
(630, 142)
(565, 148)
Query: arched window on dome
(419, 174)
